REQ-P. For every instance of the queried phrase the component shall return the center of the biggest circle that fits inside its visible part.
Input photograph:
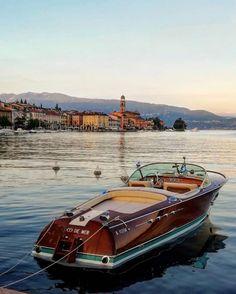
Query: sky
(175, 52)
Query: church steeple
(122, 104)
(122, 111)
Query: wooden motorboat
(159, 203)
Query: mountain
(228, 115)
(194, 118)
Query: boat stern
(65, 242)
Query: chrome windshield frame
(175, 169)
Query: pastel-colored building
(53, 118)
(65, 119)
(77, 119)
(95, 121)
(114, 122)
(130, 119)
(38, 114)
(6, 112)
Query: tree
(158, 124)
(25, 102)
(179, 125)
(4, 121)
(21, 101)
(20, 122)
(57, 107)
(32, 124)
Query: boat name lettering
(85, 232)
(77, 231)
(121, 231)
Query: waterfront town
(22, 115)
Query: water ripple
(31, 195)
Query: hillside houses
(25, 115)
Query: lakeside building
(53, 119)
(95, 121)
(38, 114)
(114, 123)
(21, 115)
(130, 119)
(6, 112)
(65, 120)
(24, 112)
(77, 119)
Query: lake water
(31, 195)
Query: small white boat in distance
(20, 131)
(194, 130)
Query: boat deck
(122, 201)
(124, 206)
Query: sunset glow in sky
(176, 52)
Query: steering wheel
(153, 175)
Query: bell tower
(122, 111)
(122, 104)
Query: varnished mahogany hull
(109, 244)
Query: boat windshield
(170, 169)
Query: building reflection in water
(124, 175)
(122, 149)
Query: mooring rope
(8, 270)
(27, 254)
(57, 261)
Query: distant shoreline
(22, 132)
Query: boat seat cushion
(122, 205)
(179, 187)
(137, 196)
(140, 184)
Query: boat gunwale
(218, 173)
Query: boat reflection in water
(190, 251)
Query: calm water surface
(31, 195)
